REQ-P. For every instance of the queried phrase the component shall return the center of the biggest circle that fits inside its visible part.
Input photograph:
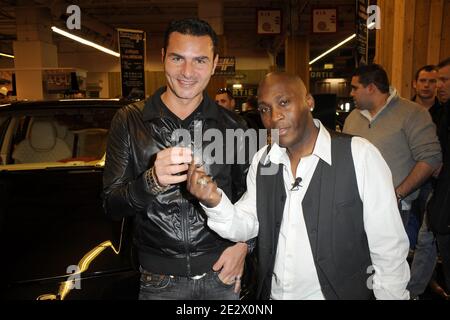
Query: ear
(414, 84)
(310, 101)
(371, 88)
(162, 55)
(216, 60)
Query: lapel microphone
(296, 184)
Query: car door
(58, 242)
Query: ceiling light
(332, 49)
(84, 41)
(6, 55)
(338, 45)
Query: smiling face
(189, 63)
(285, 105)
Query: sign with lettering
(322, 74)
(132, 63)
(269, 21)
(324, 20)
(226, 66)
(245, 92)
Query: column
(33, 51)
(212, 12)
(297, 57)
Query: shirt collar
(153, 108)
(322, 148)
(392, 94)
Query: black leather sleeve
(123, 193)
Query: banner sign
(362, 35)
(132, 63)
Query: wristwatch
(152, 183)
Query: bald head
(285, 105)
(283, 77)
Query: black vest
(333, 213)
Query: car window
(60, 137)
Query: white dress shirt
(294, 274)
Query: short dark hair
(227, 91)
(444, 63)
(427, 68)
(373, 73)
(193, 27)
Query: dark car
(57, 242)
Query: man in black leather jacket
(145, 175)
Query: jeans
(417, 213)
(405, 217)
(425, 257)
(424, 260)
(167, 287)
(443, 241)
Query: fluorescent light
(86, 42)
(6, 55)
(237, 86)
(332, 49)
(338, 45)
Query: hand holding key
(201, 186)
(170, 163)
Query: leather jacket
(170, 228)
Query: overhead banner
(362, 36)
(132, 63)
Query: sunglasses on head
(224, 90)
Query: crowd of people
(325, 215)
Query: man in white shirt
(327, 220)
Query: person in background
(435, 228)
(425, 85)
(225, 99)
(251, 114)
(402, 130)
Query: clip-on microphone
(296, 184)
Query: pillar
(34, 50)
(212, 12)
(297, 57)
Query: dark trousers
(443, 241)
(167, 287)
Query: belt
(151, 275)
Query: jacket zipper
(185, 219)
